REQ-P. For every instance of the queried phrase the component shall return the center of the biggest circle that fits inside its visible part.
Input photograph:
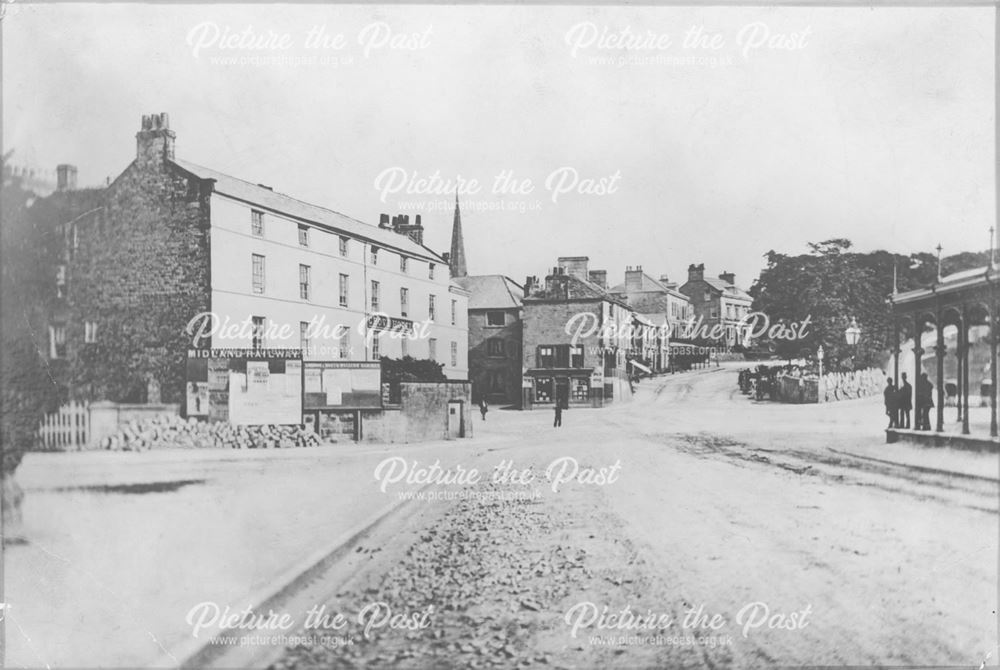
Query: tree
(409, 369)
(29, 381)
(831, 284)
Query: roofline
(985, 277)
(431, 255)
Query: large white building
(305, 276)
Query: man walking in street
(891, 404)
(483, 407)
(558, 421)
(905, 403)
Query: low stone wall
(421, 415)
(849, 385)
(833, 387)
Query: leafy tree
(409, 369)
(30, 383)
(830, 285)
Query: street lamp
(852, 335)
(819, 380)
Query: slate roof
(731, 289)
(491, 291)
(649, 285)
(255, 194)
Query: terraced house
(718, 302)
(576, 337)
(171, 242)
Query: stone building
(173, 249)
(495, 303)
(659, 304)
(576, 336)
(719, 307)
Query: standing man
(483, 407)
(925, 390)
(905, 403)
(558, 421)
(891, 403)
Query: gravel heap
(499, 574)
(174, 432)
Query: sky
(644, 136)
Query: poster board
(342, 385)
(245, 386)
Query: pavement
(719, 501)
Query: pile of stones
(172, 432)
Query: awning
(641, 367)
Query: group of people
(899, 402)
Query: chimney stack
(383, 221)
(155, 141)
(728, 277)
(401, 224)
(633, 278)
(696, 272)
(574, 266)
(65, 177)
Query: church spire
(457, 258)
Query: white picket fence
(68, 428)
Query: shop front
(570, 387)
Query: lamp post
(819, 381)
(852, 335)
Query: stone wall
(484, 368)
(422, 413)
(833, 387)
(140, 272)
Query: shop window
(543, 389)
(579, 389)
